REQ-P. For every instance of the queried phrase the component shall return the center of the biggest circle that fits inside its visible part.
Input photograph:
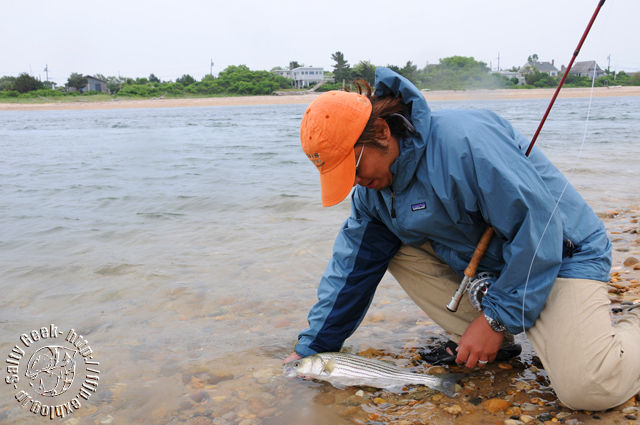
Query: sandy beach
(439, 95)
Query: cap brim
(336, 184)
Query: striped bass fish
(342, 370)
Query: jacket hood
(414, 146)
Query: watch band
(495, 325)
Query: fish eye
(296, 364)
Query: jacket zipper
(393, 200)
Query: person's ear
(386, 133)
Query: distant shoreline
(436, 95)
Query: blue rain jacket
(459, 172)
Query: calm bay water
(184, 238)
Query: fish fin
(448, 383)
(396, 389)
(328, 367)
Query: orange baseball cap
(329, 130)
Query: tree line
(465, 73)
(451, 73)
(234, 80)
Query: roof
(584, 67)
(95, 78)
(543, 66)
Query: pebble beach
(152, 228)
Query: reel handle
(479, 252)
(470, 271)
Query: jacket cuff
(303, 350)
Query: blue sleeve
(484, 164)
(361, 254)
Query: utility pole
(46, 69)
(211, 71)
(609, 63)
(498, 61)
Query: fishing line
(584, 138)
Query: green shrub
(136, 90)
(329, 86)
(172, 88)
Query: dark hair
(381, 107)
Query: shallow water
(187, 243)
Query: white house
(283, 73)
(511, 74)
(303, 76)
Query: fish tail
(448, 383)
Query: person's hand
(479, 344)
(293, 356)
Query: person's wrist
(496, 325)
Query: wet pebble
(244, 413)
(263, 375)
(496, 405)
(631, 417)
(630, 410)
(513, 411)
(453, 409)
(544, 417)
(217, 376)
(377, 317)
(421, 395)
(346, 411)
(528, 407)
(199, 396)
(475, 400)
(158, 414)
(513, 422)
(505, 366)
(631, 261)
(200, 420)
(631, 403)
(436, 370)
(106, 420)
(268, 412)
(256, 405)
(229, 416)
(185, 405)
(324, 398)
(526, 418)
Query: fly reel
(478, 288)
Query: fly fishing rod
(482, 283)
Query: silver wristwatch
(495, 325)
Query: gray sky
(172, 38)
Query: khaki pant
(592, 365)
